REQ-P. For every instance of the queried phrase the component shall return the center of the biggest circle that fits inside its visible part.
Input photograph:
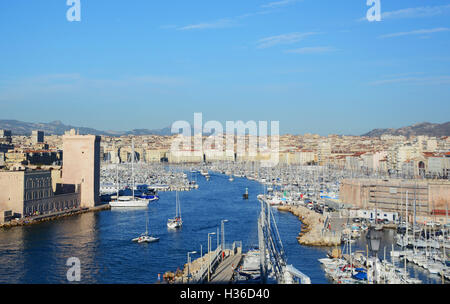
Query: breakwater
(312, 232)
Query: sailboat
(145, 237)
(176, 222)
(129, 201)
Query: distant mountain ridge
(58, 128)
(424, 128)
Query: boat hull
(128, 204)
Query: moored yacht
(128, 201)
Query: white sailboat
(145, 237)
(176, 222)
(129, 201)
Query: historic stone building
(427, 198)
(81, 166)
(35, 192)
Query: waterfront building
(185, 156)
(35, 192)
(426, 197)
(81, 165)
(155, 156)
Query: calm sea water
(102, 241)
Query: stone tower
(81, 165)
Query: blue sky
(317, 66)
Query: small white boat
(145, 237)
(176, 222)
(124, 202)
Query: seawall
(51, 217)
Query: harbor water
(102, 241)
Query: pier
(197, 272)
(225, 271)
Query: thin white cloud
(416, 12)
(432, 80)
(282, 39)
(278, 3)
(221, 23)
(416, 32)
(263, 12)
(312, 50)
(231, 22)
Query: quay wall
(51, 217)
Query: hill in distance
(58, 128)
(424, 128)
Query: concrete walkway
(224, 273)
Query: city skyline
(315, 67)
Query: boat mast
(407, 219)
(179, 207)
(132, 164)
(117, 181)
(176, 205)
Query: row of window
(33, 195)
(38, 183)
(51, 207)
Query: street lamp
(374, 239)
(189, 264)
(223, 233)
(209, 255)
